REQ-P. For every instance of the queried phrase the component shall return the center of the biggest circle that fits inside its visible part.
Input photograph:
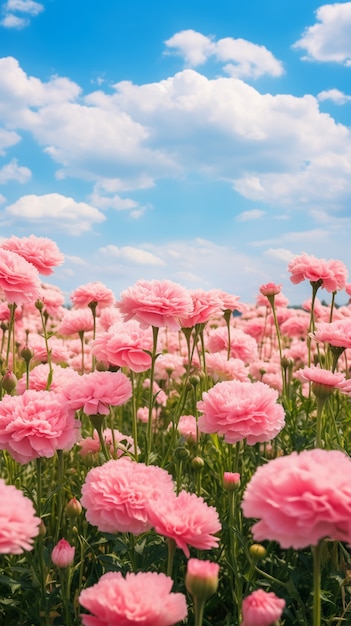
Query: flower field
(173, 456)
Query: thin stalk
(149, 433)
(316, 553)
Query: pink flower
(38, 378)
(270, 289)
(324, 381)
(331, 274)
(301, 498)
(337, 334)
(156, 303)
(205, 305)
(19, 280)
(98, 391)
(227, 301)
(18, 522)
(36, 424)
(41, 252)
(187, 519)
(262, 608)
(222, 368)
(52, 299)
(201, 579)
(76, 321)
(117, 496)
(62, 554)
(241, 410)
(92, 292)
(125, 345)
(113, 439)
(187, 427)
(242, 346)
(143, 598)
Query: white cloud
(7, 139)
(253, 214)
(280, 254)
(329, 39)
(335, 95)
(13, 171)
(2, 199)
(243, 58)
(129, 254)
(24, 6)
(13, 21)
(55, 211)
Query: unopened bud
(73, 508)
(231, 481)
(9, 381)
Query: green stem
(134, 418)
(60, 484)
(154, 356)
(316, 553)
(171, 545)
(199, 606)
(319, 421)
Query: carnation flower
(98, 391)
(112, 438)
(18, 522)
(125, 344)
(187, 519)
(94, 292)
(323, 381)
(205, 305)
(19, 280)
(242, 346)
(337, 334)
(36, 424)
(330, 274)
(201, 579)
(156, 303)
(38, 378)
(75, 321)
(241, 410)
(41, 252)
(118, 495)
(143, 598)
(262, 608)
(300, 499)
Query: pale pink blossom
(118, 495)
(297, 325)
(91, 293)
(262, 608)
(36, 424)
(114, 440)
(97, 391)
(337, 334)
(242, 346)
(187, 427)
(227, 301)
(19, 279)
(125, 344)
(187, 519)
(156, 303)
(18, 522)
(52, 299)
(62, 554)
(41, 252)
(322, 377)
(300, 499)
(205, 306)
(270, 289)
(58, 351)
(38, 378)
(241, 410)
(75, 321)
(222, 368)
(168, 366)
(138, 599)
(331, 274)
(143, 414)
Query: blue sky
(204, 142)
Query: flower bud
(181, 453)
(197, 463)
(201, 579)
(231, 481)
(26, 354)
(63, 554)
(9, 381)
(73, 508)
(257, 551)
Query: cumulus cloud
(329, 38)
(243, 58)
(26, 7)
(335, 95)
(55, 211)
(253, 214)
(13, 171)
(129, 254)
